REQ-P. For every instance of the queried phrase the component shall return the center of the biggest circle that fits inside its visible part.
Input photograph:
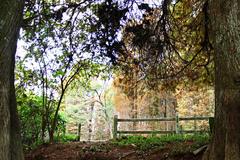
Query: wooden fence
(176, 119)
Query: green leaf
(58, 73)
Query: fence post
(181, 129)
(115, 125)
(177, 123)
(79, 131)
(195, 124)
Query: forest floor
(112, 151)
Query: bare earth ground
(109, 151)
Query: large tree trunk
(10, 20)
(225, 34)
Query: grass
(146, 143)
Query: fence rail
(166, 119)
(162, 119)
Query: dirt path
(109, 151)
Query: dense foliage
(150, 46)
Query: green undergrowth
(180, 143)
(57, 139)
(66, 138)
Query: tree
(91, 106)
(10, 141)
(54, 37)
(215, 25)
(225, 21)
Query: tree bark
(10, 21)
(225, 36)
(55, 118)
